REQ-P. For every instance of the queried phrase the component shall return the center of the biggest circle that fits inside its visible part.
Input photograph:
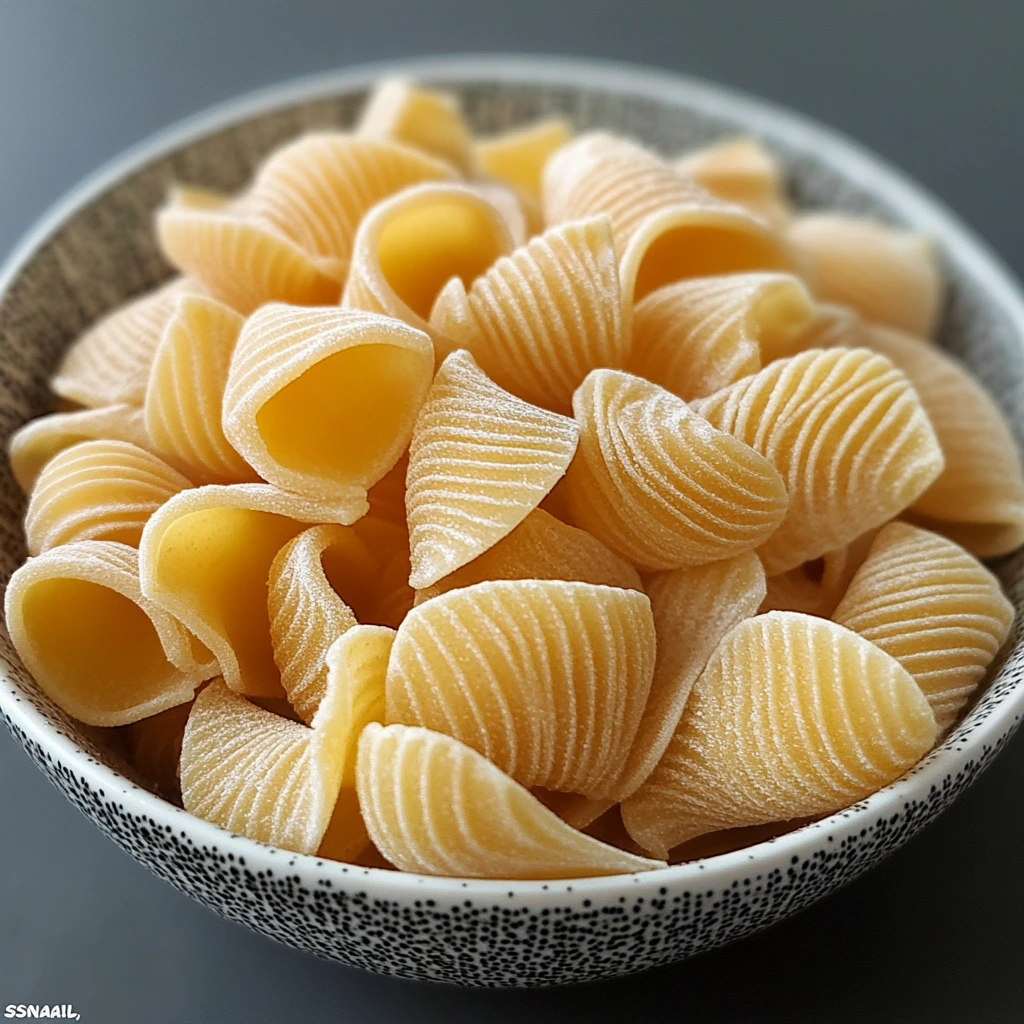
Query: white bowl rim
(916, 205)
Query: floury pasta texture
(518, 507)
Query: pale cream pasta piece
(793, 717)
(517, 157)
(846, 430)
(659, 485)
(94, 643)
(435, 806)
(696, 336)
(522, 217)
(154, 747)
(666, 227)
(98, 490)
(932, 606)
(539, 321)
(833, 326)
(321, 401)
(480, 461)
(546, 678)
(978, 500)
(189, 371)
(888, 275)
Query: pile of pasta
(516, 507)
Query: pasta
(539, 321)
(475, 821)
(154, 746)
(657, 484)
(479, 463)
(518, 157)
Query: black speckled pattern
(473, 933)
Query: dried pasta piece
(109, 364)
(694, 337)
(834, 326)
(518, 157)
(480, 462)
(887, 275)
(434, 806)
(666, 227)
(658, 484)
(98, 490)
(548, 679)
(740, 171)
(205, 557)
(539, 321)
(322, 401)
(154, 744)
(937, 610)
(978, 500)
(410, 245)
(846, 430)
(95, 645)
(428, 120)
(793, 717)
(522, 218)
(186, 389)
(542, 548)
(32, 446)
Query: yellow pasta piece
(793, 717)
(541, 320)
(186, 390)
(666, 227)
(205, 557)
(979, 498)
(410, 245)
(322, 401)
(95, 645)
(436, 807)
(887, 275)
(154, 746)
(546, 678)
(381, 595)
(740, 171)
(518, 157)
(848, 434)
(521, 216)
(422, 118)
(32, 446)
(656, 483)
(480, 462)
(694, 337)
(98, 490)
(542, 548)
(937, 610)
(833, 326)
(109, 364)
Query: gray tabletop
(935, 933)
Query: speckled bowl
(96, 249)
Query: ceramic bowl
(96, 249)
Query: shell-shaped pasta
(186, 390)
(410, 245)
(517, 157)
(834, 326)
(666, 227)
(740, 171)
(205, 557)
(317, 189)
(32, 446)
(154, 746)
(978, 500)
(522, 218)
(793, 717)
(547, 679)
(658, 484)
(542, 548)
(846, 430)
(95, 645)
(428, 120)
(540, 320)
(887, 275)
(480, 462)
(936, 609)
(434, 806)
(109, 364)
(322, 401)
(694, 337)
(98, 490)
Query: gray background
(935, 933)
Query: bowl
(96, 249)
